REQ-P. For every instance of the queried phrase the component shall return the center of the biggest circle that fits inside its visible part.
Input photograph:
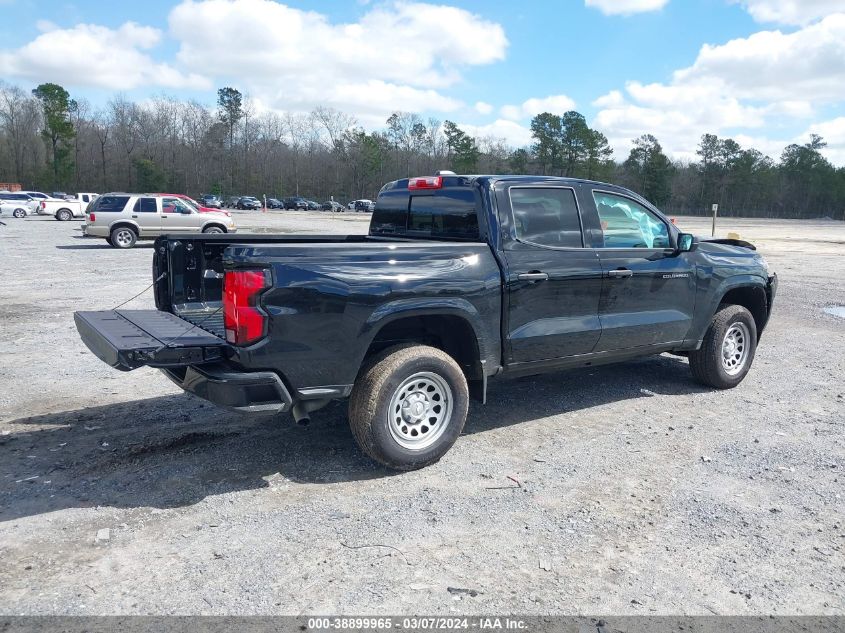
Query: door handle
(134, 216)
(534, 276)
(620, 273)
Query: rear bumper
(245, 392)
(190, 356)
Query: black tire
(63, 215)
(373, 393)
(19, 213)
(213, 229)
(707, 363)
(123, 237)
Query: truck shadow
(174, 451)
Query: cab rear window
(449, 214)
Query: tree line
(50, 141)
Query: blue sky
(767, 72)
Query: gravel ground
(626, 489)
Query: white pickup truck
(64, 210)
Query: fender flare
(128, 223)
(430, 306)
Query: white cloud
(795, 12)
(557, 104)
(514, 134)
(297, 59)
(626, 7)
(760, 82)
(808, 64)
(92, 55)
(483, 108)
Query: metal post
(715, 212)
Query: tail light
(243, 319)
(43, 205)
(92, 217)
(425, 182)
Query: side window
(628, 224)
(174, 205)
(145, 205)
(114, 204)
(547, 216)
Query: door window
(547, 216)
(174, 205)
(628, 224)
(145, 205)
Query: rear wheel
(19, 213)
(727, 352)
(63, 215)
(408, 406)
(123, 237)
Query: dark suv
(248, 202)
(296, 202)
(210, 200)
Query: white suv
(124, 218)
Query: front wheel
(408, 406)
(727, 352)
(19, 213)
(213, 229)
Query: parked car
(40, 195)
(210, 200)
(231, 202)
(124, 218)
(295, 202)
(66, 209)
(19, 205)
(275, 203)
(367, 206)
(249, 202)
(312, 205)
(190, 201)
(461, 280)
(331, 205)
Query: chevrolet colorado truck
(460, 280)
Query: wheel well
(215, 225)
(121, 225)
(452, 334)
(753, 298)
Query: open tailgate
(128, 339)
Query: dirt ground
(626, 489)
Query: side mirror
(685, 241)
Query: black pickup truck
(460, 279)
